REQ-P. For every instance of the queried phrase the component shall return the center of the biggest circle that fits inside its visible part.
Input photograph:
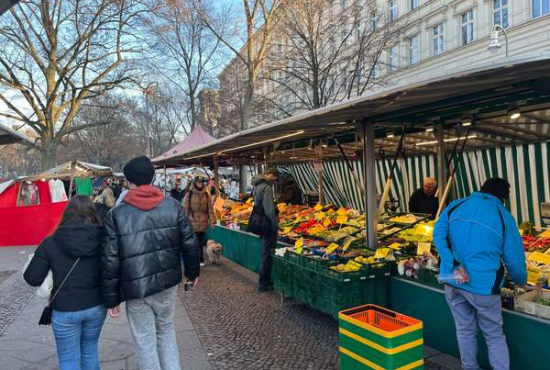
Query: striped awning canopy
(485, 93)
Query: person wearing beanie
(145, 236)
(478, 240)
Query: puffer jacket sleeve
(110, 264)
(189, 250)
(38, 268)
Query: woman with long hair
(72, 252)
(104, 202)
(199, 208)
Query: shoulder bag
(46, 317)
(258, 223)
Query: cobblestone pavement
(14, 296)
(240, 328)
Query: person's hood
(258, 179)
(145, 197)
(79, 240)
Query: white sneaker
(202, 264)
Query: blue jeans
(77, 336)
(471, 311)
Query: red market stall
(31, 207)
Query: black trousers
(201, 243)
(269, 242)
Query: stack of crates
(375, 338)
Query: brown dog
(213, 251)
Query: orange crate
(381, 318)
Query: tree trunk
(48, 155)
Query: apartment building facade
(434, 38)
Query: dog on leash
(213, 251)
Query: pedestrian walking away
(140, 264)
(198, 207)
(477, 239)
(263, 197)
(72, 253)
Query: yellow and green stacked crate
(374, 338)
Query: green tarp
(240, 247)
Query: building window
(439, 39)
(500, 13)
(468, 27)
(344, 4)
(393, 62)
(373, 19)
(540, 8)
(414, 50)
(393, 10)
(414, 4)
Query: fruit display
(405, 219)
(421, 233)
(535, 243)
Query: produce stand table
(527, 336)
(238, 246)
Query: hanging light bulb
(514, 113)
(390, 133)
(467, 120)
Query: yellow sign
(318, 207)
(331, 248)
(249, 201)
(330, 211)
(327, 222)
(395, 246)
(423, 248)
(353, 266)
(540, 258)
(381, 253)
(521, 231)
(297, 220)
(287, 230)
(533, 275)
(341, 219)
(299, 246)
(342, 212)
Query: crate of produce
(367, 271)
(316, 263)
(372, 337)
(294, 258)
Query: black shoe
(267, 288)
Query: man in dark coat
(423, 200)
(145, 236)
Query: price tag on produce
(423, 248)
(341, 219)
(299, 246)
(320, 216)
(396, 246)
(327, 222)
(250, 200)
(381, 253)
(533, 275)
(331, 248)
(318, 207)
(287, 230)
(341, 211)
(540, 258)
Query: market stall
(503, 106)
(31, 207)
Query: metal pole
(389, 180)
(216, 172)
(72, 179)
(367, 134)
(147, 124)
(165, 182)
(441, 160)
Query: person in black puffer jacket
(145, 236)
(78, 311)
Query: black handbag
(258, 223)
(46, 317)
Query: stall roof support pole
(165, 182)
(441, 160)
(216, 172)
(71, 184)
(369, 158)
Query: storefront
(471, 126)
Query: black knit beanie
(497, 187)
(139, 171)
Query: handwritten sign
(287, 230)
(381, 253)
(341, 219)
(341, 211)
(318, 207)
(331, 248)
(327, 222)
(320, 216)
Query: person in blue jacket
(478, 241)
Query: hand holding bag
(45, 289)
(46, 317)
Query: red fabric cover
(44, 191)
(29, 225)
(196, 138)
(8, 198)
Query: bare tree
(260, 19)
(55, 54)
(327, 53)
(186, 52)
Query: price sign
(327, 222)
(320, 216)
(287, 230)
(341, 211)
(423, 248)
(297, 220)
(341, 219)
(330, 211)
(540, 258)
(318, 207)
(381, 253)
(395, 246)
(331, 248)
(533, 276)
(250, 200)
(299, 246)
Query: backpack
(258, 223)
